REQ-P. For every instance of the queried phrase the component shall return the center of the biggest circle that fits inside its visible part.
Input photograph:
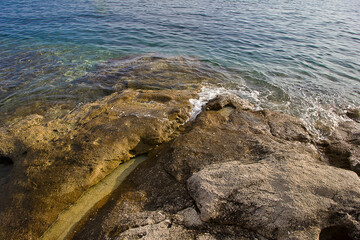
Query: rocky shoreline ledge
(232, 173)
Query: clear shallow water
(300, 57)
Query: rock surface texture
(232, 173)
(49, 164)
(278, 199)
(342, 148)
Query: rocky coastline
(231, 172)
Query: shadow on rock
(233, 173)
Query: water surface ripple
(300, 57)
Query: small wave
(207, 93)
(320, 111)
(319, 118)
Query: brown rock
(231, 131)
(234, 173)
(53, 162)
(342, 148)
(228, 130)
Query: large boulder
(279, 199)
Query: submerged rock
(141, 72)
(154, 72)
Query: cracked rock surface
(232, 173)
(342, 148)
(278, 199)
(236, 173)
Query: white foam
(207, 93)
(252, 96)
(313, 111)
(318, 114)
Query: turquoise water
(300, 57)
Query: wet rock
(278, 199)
(231, 101)
(55, 161)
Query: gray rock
(342, 148)
(162, 230)
(279, 199)
(189, 217)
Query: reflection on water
(88, 82)
(299, 57)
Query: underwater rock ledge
(232, 173)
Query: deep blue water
(301, 57)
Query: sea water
(300, 57)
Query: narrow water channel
(69, 218)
